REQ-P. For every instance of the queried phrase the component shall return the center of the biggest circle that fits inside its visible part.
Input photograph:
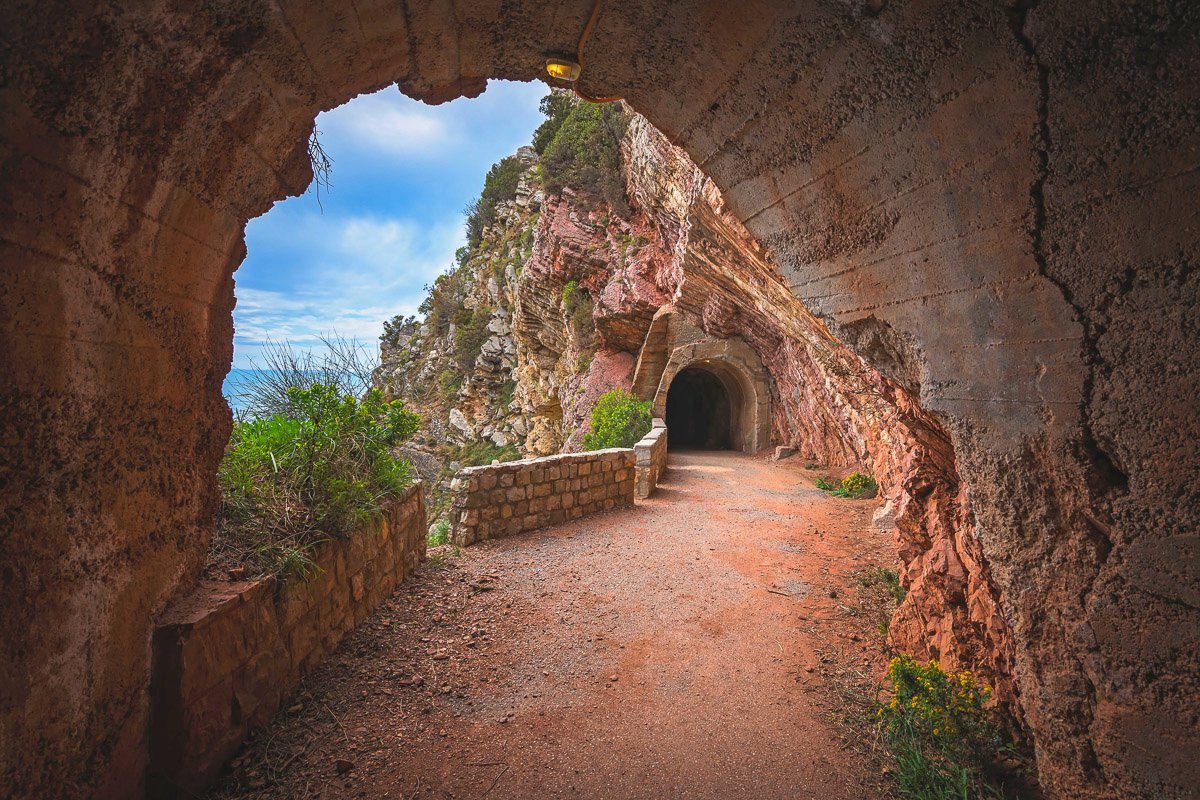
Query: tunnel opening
(700, 411)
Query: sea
(239, 384)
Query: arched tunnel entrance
(713, 394)
(699, 411)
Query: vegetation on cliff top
(499, 186)
(582, 149)
(618, 420)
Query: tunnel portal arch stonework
(744, 377)
(945, 185)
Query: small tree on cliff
(618, 420)
(500, 185)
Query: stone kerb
(227, 655)
(651, 454)
(505, 499)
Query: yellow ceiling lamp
(563, 69)
(567, 69)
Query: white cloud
(388, 123)
(352, 274)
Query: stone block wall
(227, 655)
(651, 454)
(503, 499)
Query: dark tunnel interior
(699, 411)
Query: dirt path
(686, 648)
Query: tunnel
(699, 411)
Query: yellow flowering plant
(939, 731)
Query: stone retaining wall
(227, 655)
(651, 459)
(503, 499)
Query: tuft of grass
(439, 533)
(887, 578)
(292, 562)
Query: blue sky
(392, 218)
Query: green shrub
(499, 185)
(584, 153)
(939, 732)
(439, 533)
(568, 295)
(290, 481)
(854, 486)
(444, 299)
(449, 382)
(618, 420)
(469, 336)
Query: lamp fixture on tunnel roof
(563, 69)
(567, 69)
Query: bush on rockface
(292, 480)
(444, 299)
(584, 153)
(940, 735)
(499, 186)
(618, 420)
(577, 302)
(470, 334)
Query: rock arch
(1031, 271)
